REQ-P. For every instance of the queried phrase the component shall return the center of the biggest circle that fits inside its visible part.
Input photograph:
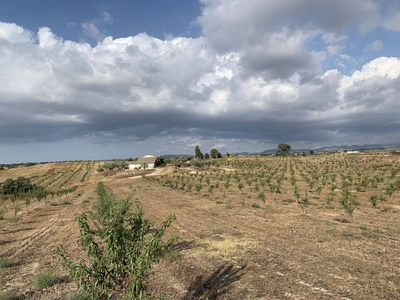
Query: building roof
(148, 159)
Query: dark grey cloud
(250, 83)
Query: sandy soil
(226, 249)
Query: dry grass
(277, 251)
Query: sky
(96, 79)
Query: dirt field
(231, 244)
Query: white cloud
(393, 22)
(251, 75)
(15, 34)
(333, 37)
(91, 30)
(374, 46)
(335, 49)
(47, 38)
(106, 17)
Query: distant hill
(339, 148)
(307, 150)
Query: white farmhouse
(352, 152)
(148, 161)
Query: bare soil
(227, 249)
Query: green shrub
(348, 203)
(44, 278)
(121, 246)
(6, 262)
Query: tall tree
(283, 149)
(197, 152)
(215, 153)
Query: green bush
(121, 246)
(6, 262)
(44, 278)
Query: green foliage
(17, 186)
(283, 149)
(20, 188)
(348, 202)
(179, 161)
(198, 187)
(121, 246)
(215, 153)
(10, 295)
(17, 209)
(261, 196)
(6, 262)
(197, 153)
(374, 200)
(44, 278)
(84, 175)
(112, 165)
(160, 162)
(79, 296)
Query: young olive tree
(121, 247)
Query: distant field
(315, 227)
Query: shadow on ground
(215, 285)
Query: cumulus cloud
(13, 33)
(250, 79)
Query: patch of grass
(78, 296)
(348, 234)
(6, 262)
(369, 233)
(217, 231)
(172, 256)
(66, 202)
(13, 220)
(244, 291)
(214, 213)
(10, 295)
(288, 201)
(44, 278)
(388, 209)
(255, 205)
(259, 295)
